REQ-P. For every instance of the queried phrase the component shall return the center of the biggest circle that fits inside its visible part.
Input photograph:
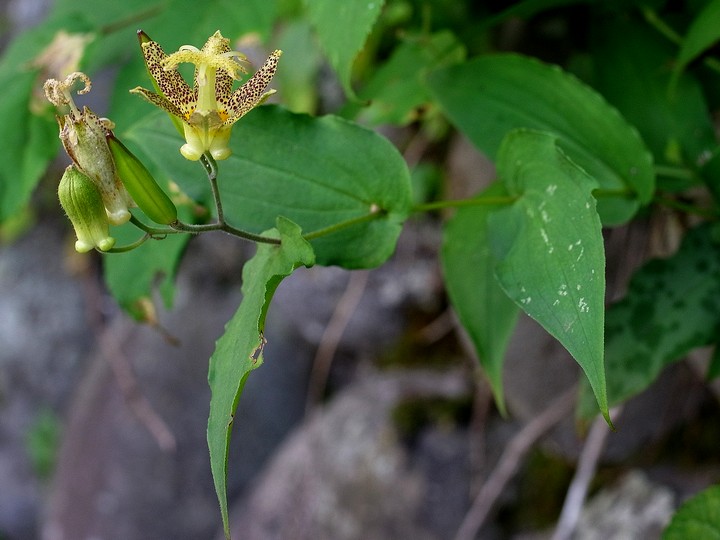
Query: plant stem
(374, 214)
(670, 171)
(122, 249)
(211, 169)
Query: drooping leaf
(672, 306)
(343, 28)
(702, 33)
(483, 308)
(240, 348)
(490, 95)
(318, 172)
(549, 247)
(397, 89)
(698, 517)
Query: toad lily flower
(209, 109)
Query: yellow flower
(209, 109)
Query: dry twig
(331, 337)
(510, 461)
(587, 465)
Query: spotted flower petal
(208, 110)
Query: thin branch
(134, 397)
(587, 465)
(510, 461)
(111, 349)
(330, 340)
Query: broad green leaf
(483, 308)
(697, 518)
(702, 34)
(318, 172)
(240, 348)
(549, 247)
(672, 307)
(133, 275)
(342, 28)
(397, 90)
(632, 71)
(490, 95)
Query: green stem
(344, 224)
(670, 171)
(457, 203)
(122, 249)
(686, 207)
(179, 226)
(152, 231)
(212, 173)
(654, 20)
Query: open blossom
(83, 135)
(209, 108)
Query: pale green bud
(83, 204)
(83, 135)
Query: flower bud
(81, 200)
(84, 141)
(83, 135)
(142, 187)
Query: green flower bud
(83, 135)
(138, 181)
(81, 200)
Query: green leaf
(697, 518)
(483, 308)
(490, 95)
(672, 306)
(631, 68)
(342, 28)
(397, 89)
(549, 248)
(239, 350)
(702, 34)
(29, 141)
(318, 172)
(133, 275)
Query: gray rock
(44, 340)
(345, 475)
(634, 508)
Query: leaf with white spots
(549, 248)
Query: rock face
(634, 508)
(345, 475)
(44, 342)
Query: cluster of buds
(105, 178)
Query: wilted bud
(83, 135)
(83, 204)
